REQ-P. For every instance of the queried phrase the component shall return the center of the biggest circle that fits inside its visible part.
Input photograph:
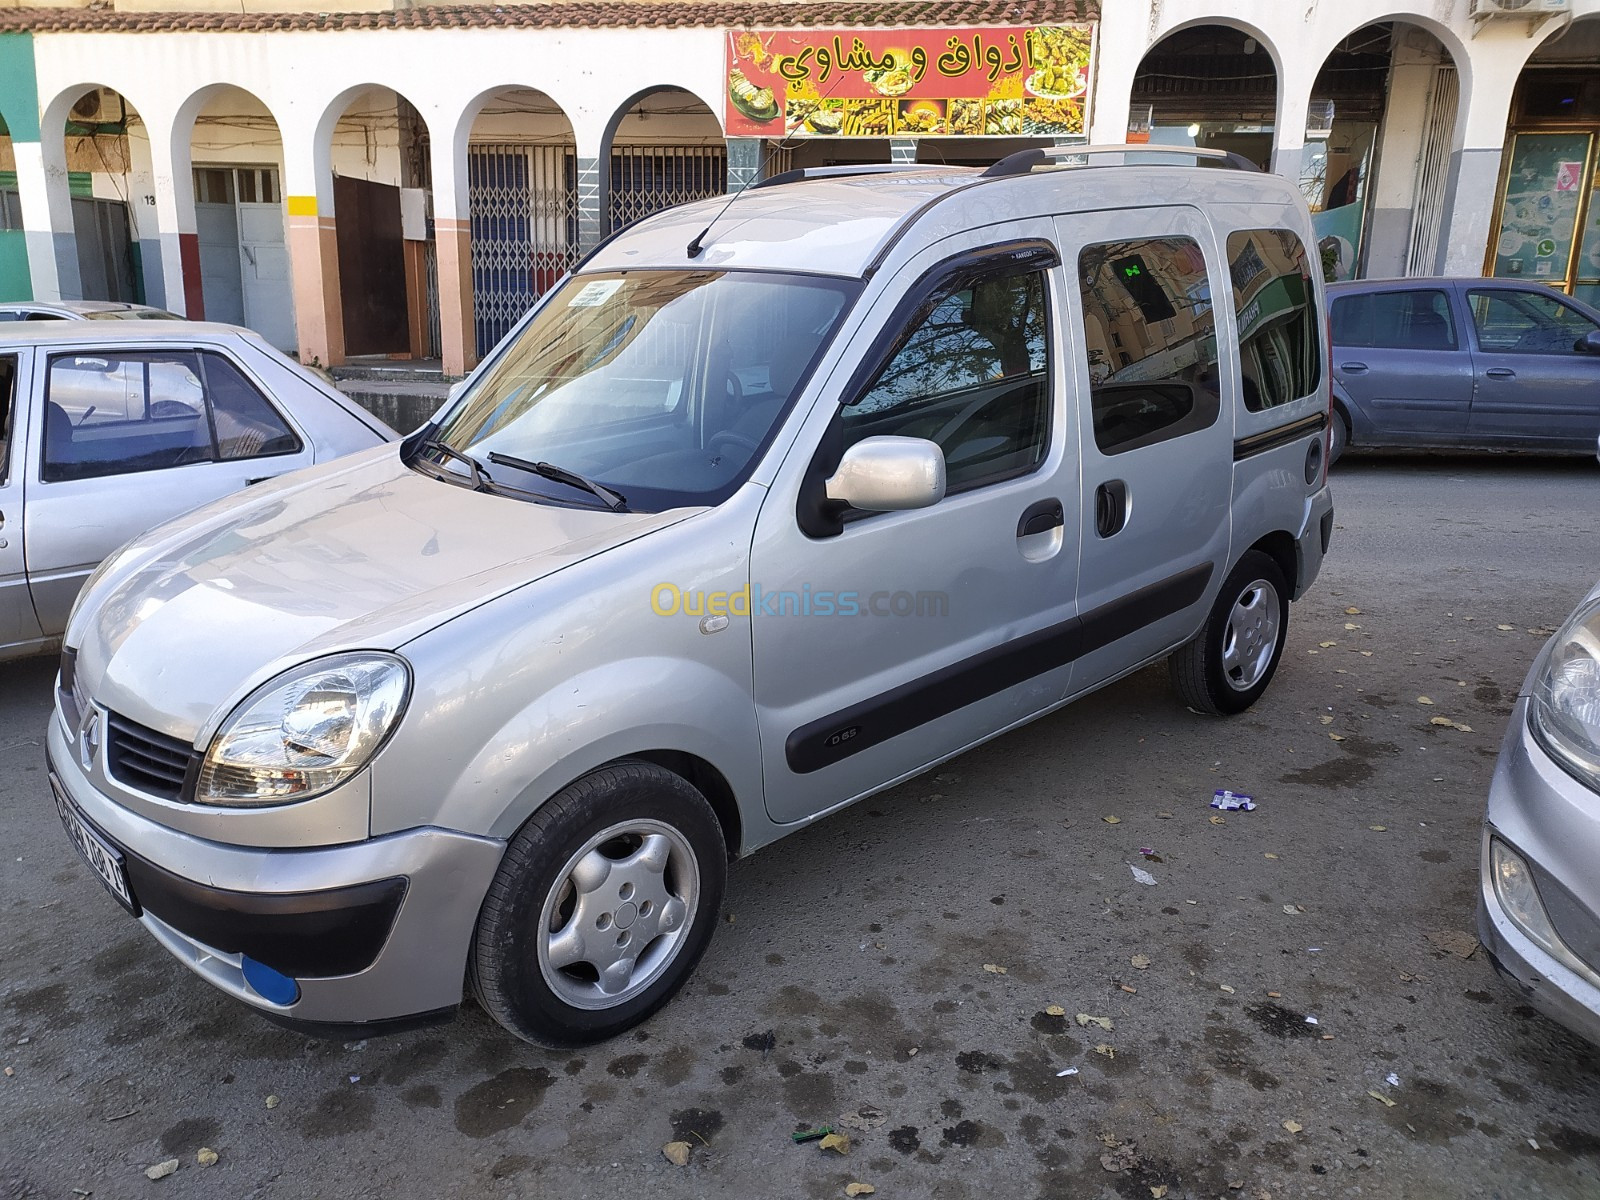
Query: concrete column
(1124, 36)
(1393, 190)
(1487, 84)
(744, 163)
(313, 245)
(1289, 125)
(171, 250)
(47, 223)
(452, 238)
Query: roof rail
(1024, 161)
(799, 173)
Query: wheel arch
(1281, 548)
(710, 783)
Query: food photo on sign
(990, 82)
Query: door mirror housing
(1589, 343)
(889, 474)
(455, 391)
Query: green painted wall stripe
(19, 87)
(15, 282)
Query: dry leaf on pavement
(994, 968)
(1103, 1022)
(161, 1170)
(1140, 961)
(206, 1157)
(859, 1189)
(1454, 941)
(839, 1143)
(1380, 1097)
(1293, 1126)
(676, 1153)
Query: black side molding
(837, 736)
(1271, 439)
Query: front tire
(602, 905)
(1230, 662)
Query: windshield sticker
(595, 293)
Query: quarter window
(1150, 338)
(118, 413)
(1418, 319)
(1526, 322)
(1274, 300)
(973, 376)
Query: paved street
(855, 979)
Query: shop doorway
(244, 261)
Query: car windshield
(662, 387)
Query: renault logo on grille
(89, 739)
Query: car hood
(365, 556)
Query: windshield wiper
(612, 500)
(480, 478)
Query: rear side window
(121, 413)
(1150, 337)
(1416, 319)
(247, 426)
(1280, 357)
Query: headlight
(1566, 697)
(307, 731)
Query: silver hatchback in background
(108, 429)
(1539, 903)
(775, 502)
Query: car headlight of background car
(1565, 712)
(306, 731)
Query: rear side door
(18, 626)
(1155, 438)
(1534, 385)
(130, 438)
(1401, 359)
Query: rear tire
(1338, 435)
(1230, 662)
(602, 905)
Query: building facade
(406, 181)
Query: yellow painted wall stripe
(302, 206)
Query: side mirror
(455, 391)
(889, 474)
(1589, 343)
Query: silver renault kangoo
(774, 503)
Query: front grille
(146, 760)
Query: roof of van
(842, 224)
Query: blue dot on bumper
(270, 985)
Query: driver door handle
(1041, 517)
(1355, 368)
(1500, 373)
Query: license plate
(103, 858)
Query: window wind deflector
(612, 500)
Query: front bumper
(373, 931)
(1552, 822)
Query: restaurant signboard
(1008, 81)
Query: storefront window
(1539, 210)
